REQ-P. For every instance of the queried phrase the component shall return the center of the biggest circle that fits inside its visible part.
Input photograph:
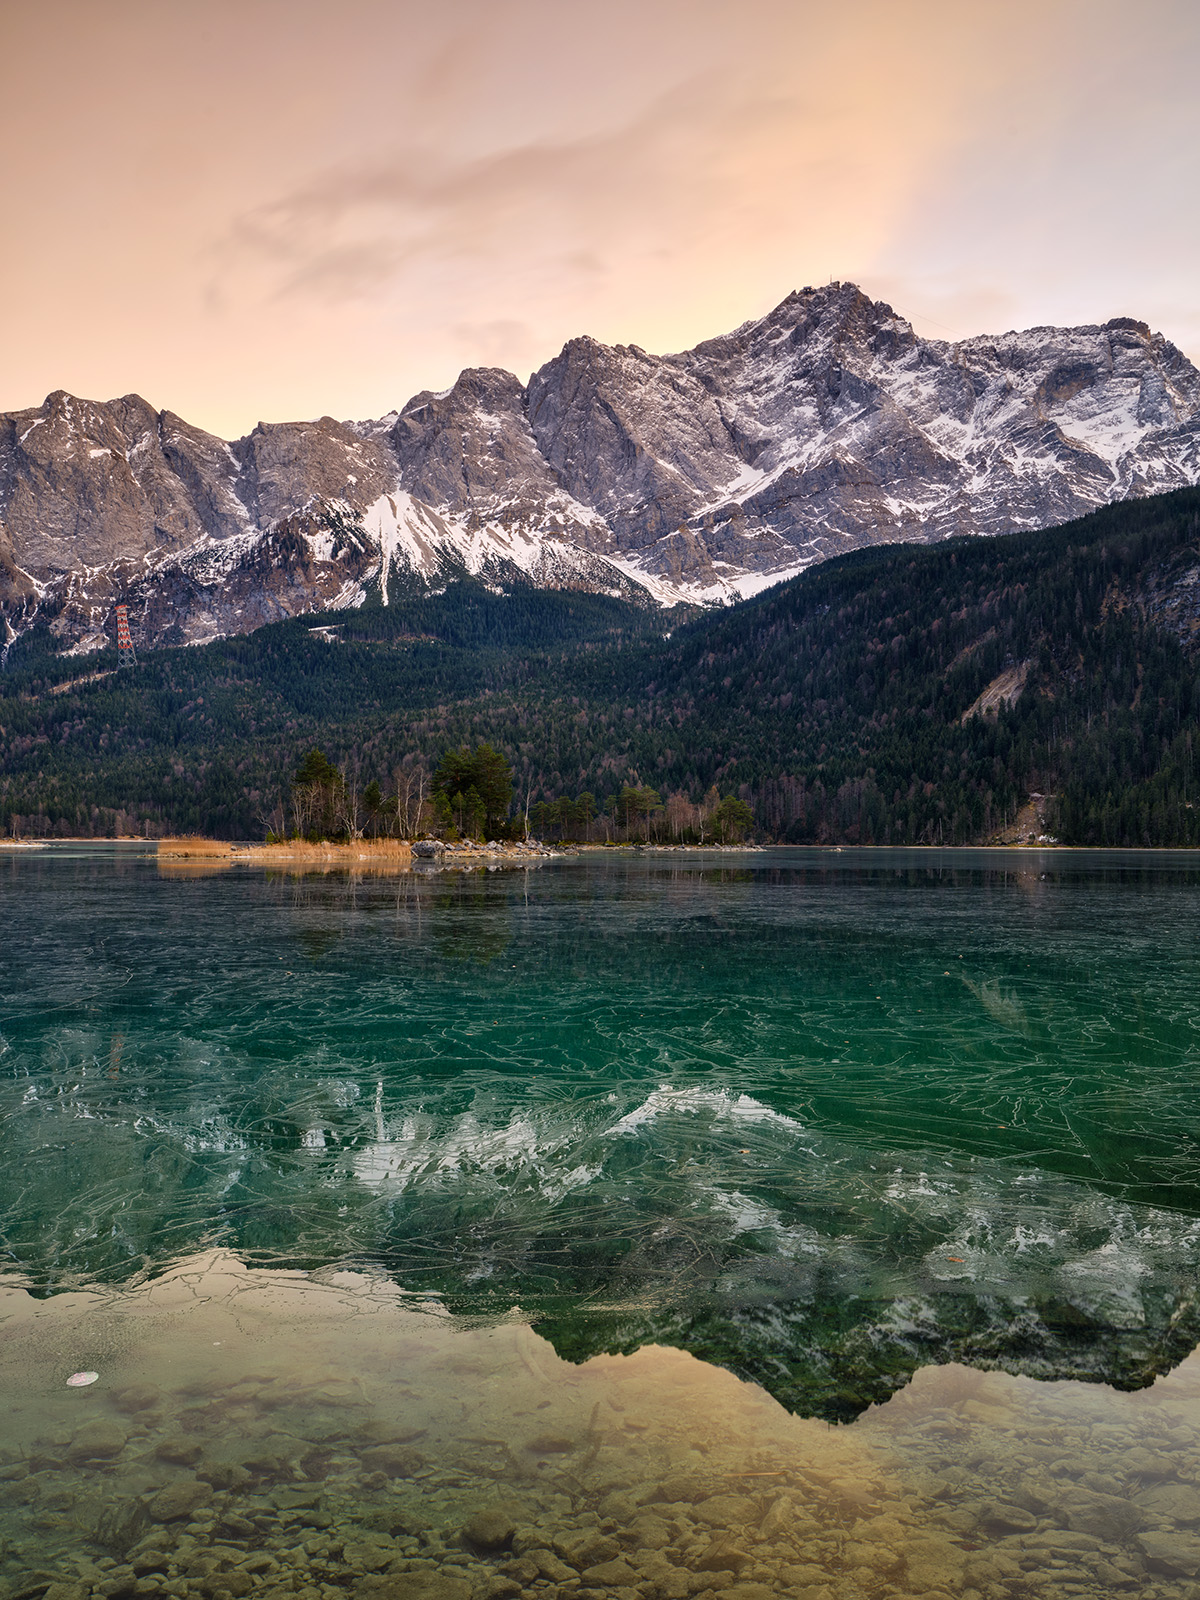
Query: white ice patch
(320, 544)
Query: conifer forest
(901, 694)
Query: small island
(462, 815)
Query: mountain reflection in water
(264, 1432)
(820, 1119)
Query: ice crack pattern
(821, 1119)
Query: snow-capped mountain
(821, 427)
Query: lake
(793, 1222)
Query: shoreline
(248, 850)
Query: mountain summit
(824, 426)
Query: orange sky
(277, 208)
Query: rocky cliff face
(823, 426)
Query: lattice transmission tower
(125, 651)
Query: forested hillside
(835, 705)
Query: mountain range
(699, 477)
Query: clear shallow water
(263, 1433)
(820, 1117)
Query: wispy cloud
(351, 230)
(293, 207)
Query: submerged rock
(393, 1460)
(592, 1552)
(120, 1525)
(1003, 1519)
(1176, 1553)
(1175, 1502)
(100, 1440)
(180, 1452)
(549, 1444)
(414, 1586)
(610, 1574)
(489, 1530)
(372, 1553)
(224, 1475)
(179, 1500)
(137, 1397)
(727, 1510)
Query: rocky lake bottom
(265, 1433)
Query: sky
(280, 209)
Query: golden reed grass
(301, 850)
(194, 849)
(197, 857)
(363, 850)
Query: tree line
(469, 795)
(639, 811)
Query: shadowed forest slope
(901, 694)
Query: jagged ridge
(821, 427)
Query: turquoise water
(820, 1117)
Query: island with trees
(469, 796)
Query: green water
(417, 1233)
(819, 1117)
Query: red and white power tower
(125, 654)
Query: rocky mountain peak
(825, 424)
(471, 449)
(1131, 324)
(286, 466)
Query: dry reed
(363, 852)
(195, 848)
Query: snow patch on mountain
(703, 476)
(413, 538)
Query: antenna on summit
(125, 651)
